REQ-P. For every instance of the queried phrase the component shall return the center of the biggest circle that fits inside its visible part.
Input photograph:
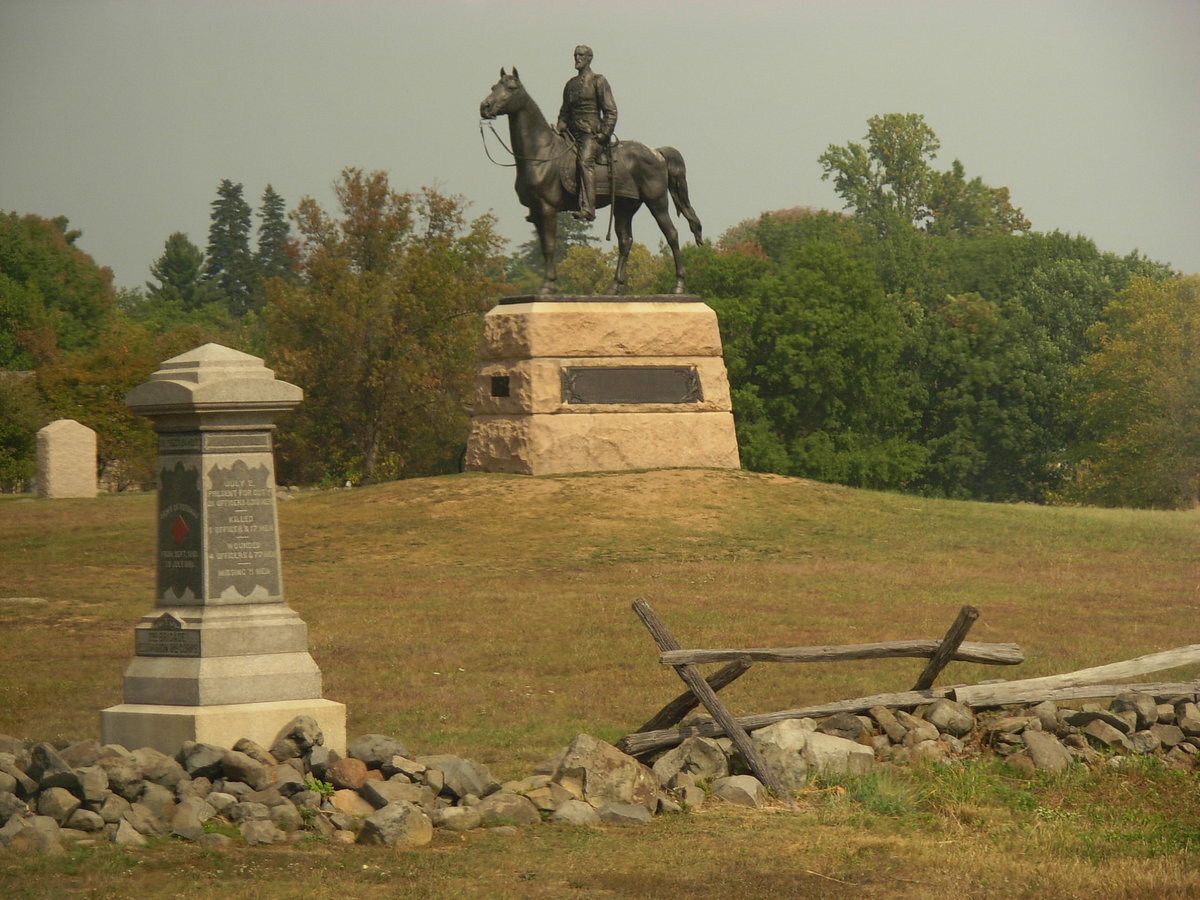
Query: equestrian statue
(577, 166)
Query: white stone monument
(576, 384)
(221, 657)
(66, 460)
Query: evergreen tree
(180, 274)
(230, 262)
(272, 260)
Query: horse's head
(506, 96)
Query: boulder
(85, 820)
(11, 805)
(575, 812)
(1168, 735)
(402, 765)
(158, 767)
(349, 802)
(297, 738)
(915, 730)
(1145, 742)
(32, 835)
(238, 766)
(124, 777)
(126, 835)
(459, 776)
(1085, 717)
(844, 725)
(624, 814)
(287, 818)
(81, 753)
(49, 769)
(501, 808)
(248, 811)
(949, 717)
(256, 752)
(159, 800)
(93, 784)
(697, 756)
(346, 774)
(1105, 733)
(189, 818)
(220, 801)
(25, 786)
(1187, 717)
(1046, 751)
(398, 824)
(144, 821)
(376, 749)
(782, 746)
(113, 809)
(57, 803)
(205, 760)
(744, 790)
(457, 818)
(828, 755)
(260, 831)
(286, 779)
(599, 773)
(1143, 706)
(549, 797)
(380, 793)
(888, 723)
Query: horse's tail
(677, 184)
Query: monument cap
(212, 377)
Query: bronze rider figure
(589, 115)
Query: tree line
(924, 339)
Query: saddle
(568, 176)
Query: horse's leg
(623, 211)
(660, 209)
(545, 219)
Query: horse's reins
(509, 150)
(571, 148)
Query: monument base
(165, 728)
(579, 384)
(553, 444)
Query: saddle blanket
(620, 172)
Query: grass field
(489, 616)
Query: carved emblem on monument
(179, 533)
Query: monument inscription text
(243, 548)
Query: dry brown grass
(489, 615)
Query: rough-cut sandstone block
(547, 328)
(549, 444)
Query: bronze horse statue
(545, 163)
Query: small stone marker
(66, 460)
(222, 657)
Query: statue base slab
(577, 384)
(165, 728)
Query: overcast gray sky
(125, 114)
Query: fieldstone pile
(381, 793)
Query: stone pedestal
(575, 384)
(221, 657)
(66, 460)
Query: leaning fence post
(673, 712)
(692, 678)
(941, 656)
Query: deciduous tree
(53, 296)
(1141, 400)
(381, 330)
